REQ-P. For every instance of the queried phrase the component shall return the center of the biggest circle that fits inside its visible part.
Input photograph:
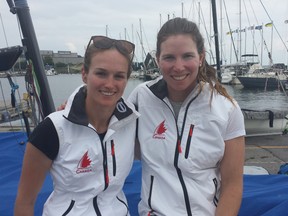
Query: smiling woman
(187, 117)
(86, 139)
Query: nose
(178, 66)
(109, 82)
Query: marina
(265, 110)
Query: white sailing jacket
(180, 158)
(89, 174)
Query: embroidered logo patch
(84, 164)
(159, 132)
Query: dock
(269, 152)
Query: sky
(67, 25)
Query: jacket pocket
(188, 143)
(113, 157)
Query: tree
(47, 60)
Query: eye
(120, 76)
(188, 56)
(101, 74)
(168, 58)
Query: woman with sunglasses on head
(191, 132)
(89, 146)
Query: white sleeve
(236, 125)
(132, 98)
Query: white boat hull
(262, 122)
(261, 127)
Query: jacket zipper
(150, 196)
(178, 151)
(123, 204)
(69, 208)
(105, 167)
(95, 205)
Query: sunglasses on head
(102, 42)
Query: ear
(84, 75)
(202, 58)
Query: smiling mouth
(179, 78)
(107, 93)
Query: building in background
(66, 57)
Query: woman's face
(179, 62)
(107, 78)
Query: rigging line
(253, 35)
(223, 54)
(19, 28)
(229, 26)
(142, 47)
(260, 32)
(4, 30)
(128, 38)
(253, 12)
(274, 26)
(207, 34)
(190, 9)
(149, 50)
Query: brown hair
(92, 50)
(206, 72)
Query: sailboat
(266, 79)
(39, 95)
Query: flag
(286, 21)
(269, 24)
(259, 27)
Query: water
(62, 86)
(258, 99)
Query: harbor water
(62, 86)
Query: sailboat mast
(21, 8)
(214, 13)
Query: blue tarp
(265, 195)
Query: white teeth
(107, 93)
(179, 77)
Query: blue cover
(265, 195)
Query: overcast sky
(67, 25)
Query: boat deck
(9, 113)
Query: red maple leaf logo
(161, 128)
(85, 161)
